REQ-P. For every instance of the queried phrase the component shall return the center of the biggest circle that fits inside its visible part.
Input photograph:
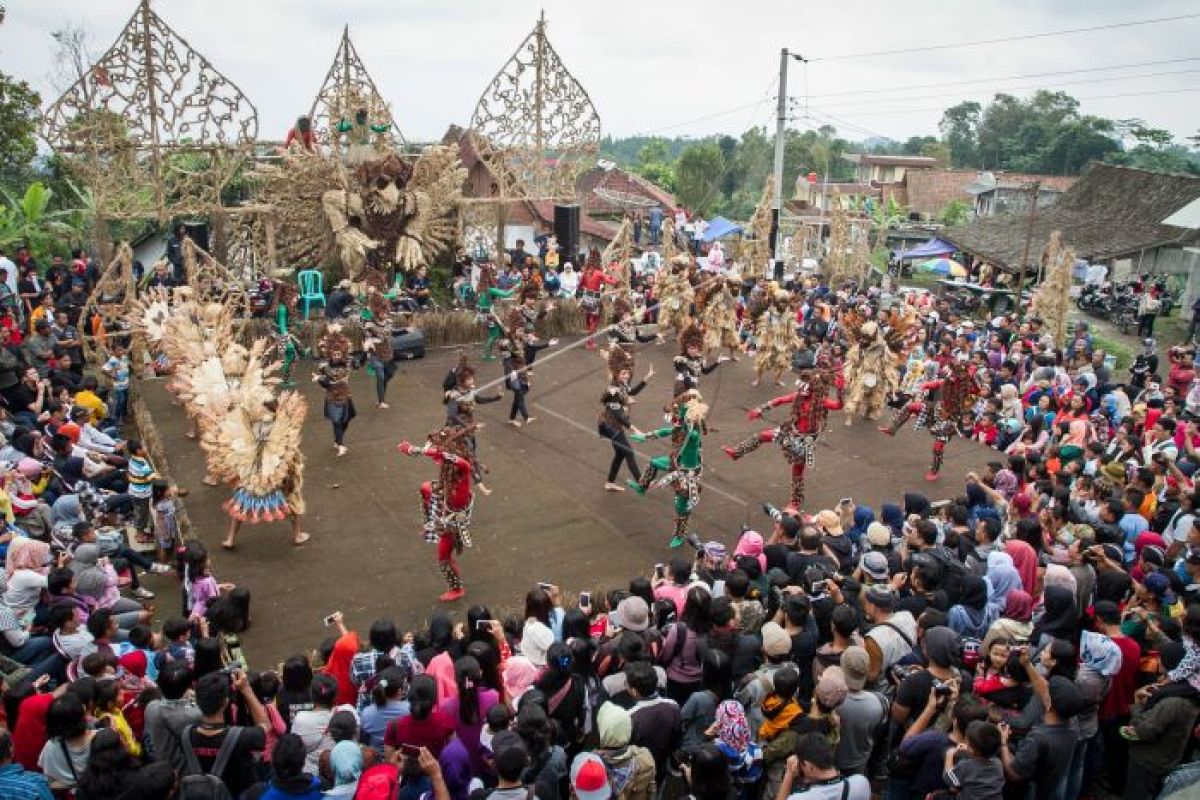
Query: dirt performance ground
(549, 518)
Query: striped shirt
(18, 783)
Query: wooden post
(1037, 185)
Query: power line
(1002, 39)
(1079, 82)
(998, 79)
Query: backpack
(380, 782)
(197, 784)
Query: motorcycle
(1093, 298)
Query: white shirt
(11, 277)
(860, 789)
(1177, 530)
(313, 729)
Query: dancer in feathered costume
(460, 397)
(797, 436)
(518, 375)
(675, 294)
(946, 407)
(614, 418)
(681, 469)
(258, 441)
(333, 375)
(448, 501)
(776, 338)
(486, 296)
(871, 369)
(689, 364)
(377, 342)
(527, 315)
(624, 329)
(717, 308)
(591, 294)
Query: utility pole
(1036, 187)
(780, 136)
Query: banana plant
(29, 221)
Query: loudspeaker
(566, 229)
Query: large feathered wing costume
(259, 442)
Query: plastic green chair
(311, 283)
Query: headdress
(378, 305)
(622, 306)
(529, 292)
(390, 167)
(619, 359)
(334, 340)
(691, 336)
(453, 439)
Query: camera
(941, 688)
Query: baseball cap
(1160, 586)
(874, 565)
(881, 596)
(855, 663)
(879, 535)
(775, 640)
(589, 778)
(632, 614)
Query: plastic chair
(311, 283)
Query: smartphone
(585, 598)
(846, 501)
(660, 570)
(410, 750)
(545, 586)
(328, 621)
(484, 624)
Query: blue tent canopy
(719, 228)
(931, 249)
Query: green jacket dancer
(285, 299)
(488, 294)
(681, 469)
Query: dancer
(591, 286)
(689, 364)
(871, 368)
(333, 375)
(681, 469)
(675, 294)
(517, 372)
(946, 408)
(797, 437)
(447, 502)
(717, 308)
(460, 397)
(527, 315)
(286, 295)
(486, 296)
(624, 330)
(614, 414)
(377, 342)
(775, 338)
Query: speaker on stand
(566, 230)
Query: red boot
(887, 430)
(931, 476)
(452, 595)
(730, 451)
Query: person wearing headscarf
(751, 544)
(1025, 560)
(863, 517)
(346, 762)
(1058, 575)
(1099, 660)
(630, 768)
(1007, 483)
(971, 616)
(892, 515)
(735, 740)
(1015, 622)
(519, 674)
(1002, 578)
(568, 281)
(25, 565)
(455, 763)
(1060, 617)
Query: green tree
(698, 175)
(959, 128)
(653, 152)
(956, 212)
(20, 112)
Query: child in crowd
(117, 370)
(141, 482)
(166, 527)
(976, 772)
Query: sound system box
(566, 230)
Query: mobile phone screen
(585, 598)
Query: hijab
(1099, 653)
(1025, 561)
(751, 544)
(91, 579)
(1060, 617)
(519, 675)
(1006, 483)
(892, 516)
(346, 761)
(863, 517)
(614, 725)
(26, 553)
(1002, 577)
(1018, 606)
(733, 727)
(1058, 575)
(67, 510)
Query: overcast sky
(670, 68)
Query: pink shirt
(676, 594)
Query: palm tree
(28, 220)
